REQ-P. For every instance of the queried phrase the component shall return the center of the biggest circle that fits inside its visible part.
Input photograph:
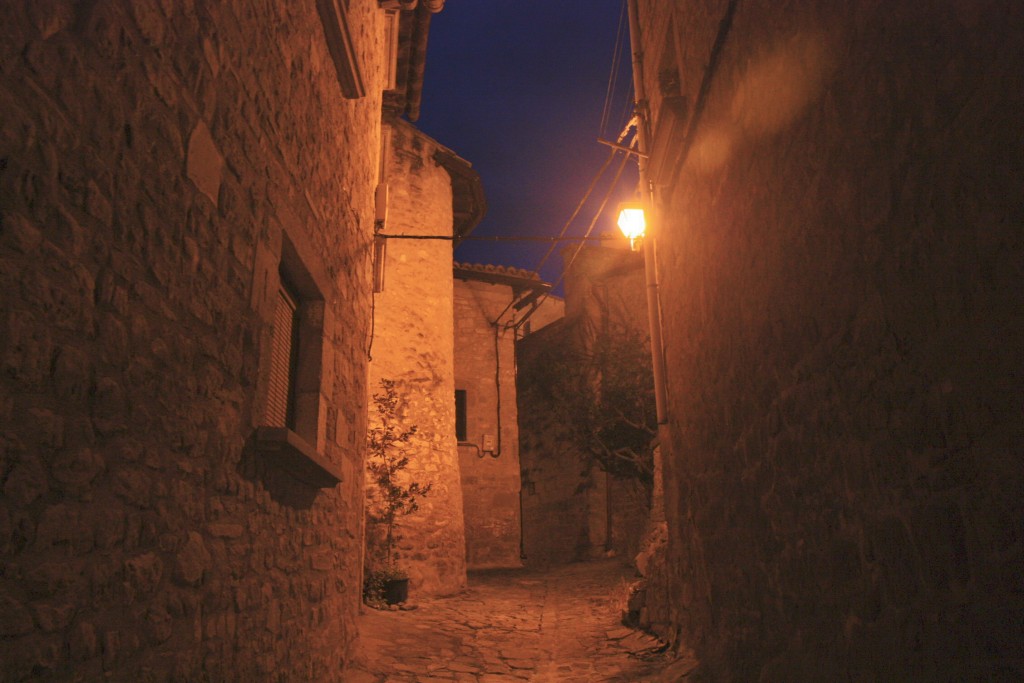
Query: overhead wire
(724, 26)
(616, 66)
(487, 238)
(576, 211)
(620, 41)
(609, 103)
(593, 222)
(590, 228)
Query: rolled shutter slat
(279, 390)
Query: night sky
(517, 88)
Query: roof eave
(469, 205)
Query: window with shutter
(289, 422)
(281, 390)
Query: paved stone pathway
(560, 625)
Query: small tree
(603, 397)
(616, 418)
(390, 497)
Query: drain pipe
(497, 383)
(642, 109)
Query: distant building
(572, 509)
(551, 308)
(491, 303)
(432, 193)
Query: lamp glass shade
(631, 222)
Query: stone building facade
(550, 309)
(187, 198)
(572, 511)
(490, 302)
(841, 253)
(431, 193)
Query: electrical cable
(597, 215)
(609, 96)
(491, 238)
(614, 75)
(579, 207)
(724, 27)
(590, 228)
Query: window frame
(461, 416)
(296, 445)
(334, 18)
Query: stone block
(54, 615)
(72, 374)
(68, 234)
(20, 234)
(29, 350)
(15, 618)
(132, 485)
(225, 530)
(151, 23)
(192, 561)
(143, 573)
(110, 650)
(109, 407)
(50, 425)
(159, 625)
(27, 481)
(47, 579)
(74, 469)
(205, 164)
(64, 524)
(97, 204)
(52, 16)
(45, 652)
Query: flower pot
(396, 591)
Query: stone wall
(413, 345)
(572, 511)
(484, 361)
(555, 511)
(842, 257)
(550, 309)
(631, 511)
(156, 160)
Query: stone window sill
(294, 455)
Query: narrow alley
(306, 306)
(560, 624)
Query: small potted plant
(390, 497)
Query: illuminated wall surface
(489, 467)
(841, 258)
(413, 344)
(155, 158)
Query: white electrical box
(488, 443)
(380, 202)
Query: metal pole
(649, 244)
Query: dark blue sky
(517, 87)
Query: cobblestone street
(556, 625)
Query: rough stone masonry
(160, 164)
(842, 261)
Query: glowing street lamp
(632, 224)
